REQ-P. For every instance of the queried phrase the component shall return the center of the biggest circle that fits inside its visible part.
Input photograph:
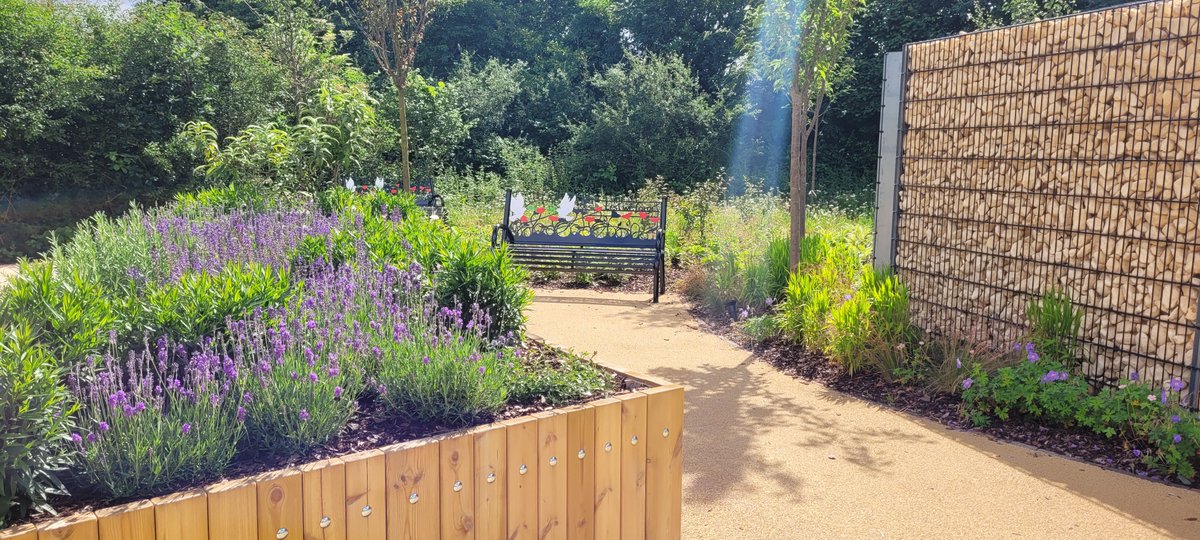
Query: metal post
(888, 171)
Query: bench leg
(657, 282)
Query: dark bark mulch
(943, 408)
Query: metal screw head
(281, 533)
(458, 485)
(666, 432)
(366, 510)
(633, 441)
(553, 461)
(608, 446)
(491, 477)
(413, 498)
(582, 454)
(326, 522)
(524, 469)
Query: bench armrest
(507, 237)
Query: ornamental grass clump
(156, 418)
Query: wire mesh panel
(1060, 154)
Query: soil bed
(370, 428)
(940, 407)
(604, 283)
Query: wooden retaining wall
(609, 469)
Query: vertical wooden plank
(633, 466)
(412, 499)
(20, 532)
(581, 473)
(280, 503)
(75, 527)
(552, 475)
(324, 499)
(607, 492)
(133, 521)
(457, 463)
(491, 483)
(664, 462)
(181, 516)
(233, 509)
(522, 437)
(366, 495)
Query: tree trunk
(402, 97)
(797, 174)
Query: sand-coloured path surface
(767, 456)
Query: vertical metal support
(1193, 391)
(887, 180)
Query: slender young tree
(393, 29)
(804, 47)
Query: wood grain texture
(633, 466)
(607, 492)
(457, 487)
(552, 475)
(233, 509)
(413, 509)
(491, 482)
(664, 463)
(324, 484)
(74, 527)
(581, 473)
(522, 436)
(132, 521)
(181, 516)
(280, 503)
(366, 493)
(20, 532)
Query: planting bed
(943, 408)
(607, 468)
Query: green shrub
(235, 196)
(198, 304)
(115, 254)
(1054, 328)
(471, 273)
(761, 327)
(556, 382)
(35, 416)
(804, 311)
(68, 313)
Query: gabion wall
(1062, 153)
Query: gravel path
(768, 456)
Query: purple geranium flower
(1177, 438)
(967, 382)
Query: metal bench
(424, 194)
(586, 235)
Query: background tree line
(100, 106)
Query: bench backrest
(422, 189)
(582, 220)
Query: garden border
(463, 484)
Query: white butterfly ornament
(516, 207)
(566, 207)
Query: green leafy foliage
(1054, 328)
(35, 417)
(556, 382)
(198, 304)
(69, 314)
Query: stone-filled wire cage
(1059, 154)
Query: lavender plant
(157, 418)
(439, 369)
